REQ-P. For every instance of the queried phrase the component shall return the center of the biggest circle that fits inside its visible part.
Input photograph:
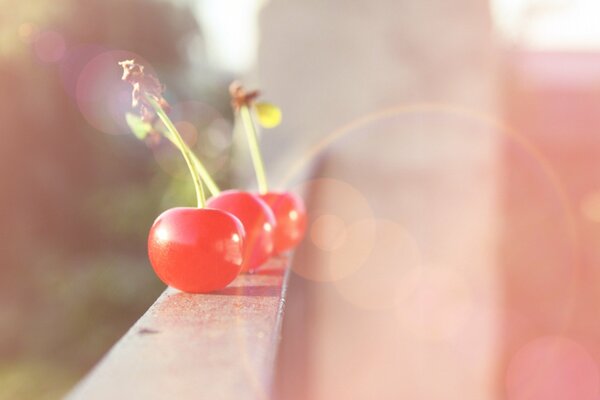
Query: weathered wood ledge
(211, 346)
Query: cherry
(290, 215)
(196, 250)
(258, 221)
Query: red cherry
(290, 215)
(258, 221)
(196, 250)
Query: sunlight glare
(549, 24)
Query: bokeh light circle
(560, 243)
(590, 206)
(28, 32)
(73, 63)
(375, 283)
(552, 368)
(49, 46)
(205, 131)
(335, 204)
(219, 134)
(102, 98)
(328, 232)
(170, 160)
(434, 302)
(188, 132)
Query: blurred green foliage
(76, 204)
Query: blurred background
(465, 133)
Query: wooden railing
(214, 346)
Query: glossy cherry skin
(258, 220)
(196, 250)
(290, 215)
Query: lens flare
(28, 32)
(334, 210)
(328, 232)
(212, 131)
(553, 368)
(169, 159)
(73, 63)
(434, 302)
(188, 132)
(590, 207)
(375, 284)
(49, 46)
(102, 98)
(564, 239)
(359, 125)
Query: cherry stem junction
(185, 151)
(252, 136)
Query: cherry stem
(200, 168)
(251, 134)
(185, 151)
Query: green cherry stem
(206, 178)
(259, 165)
(200, 168)
(187, 154)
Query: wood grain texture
(213, 346)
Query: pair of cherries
(201, 250)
